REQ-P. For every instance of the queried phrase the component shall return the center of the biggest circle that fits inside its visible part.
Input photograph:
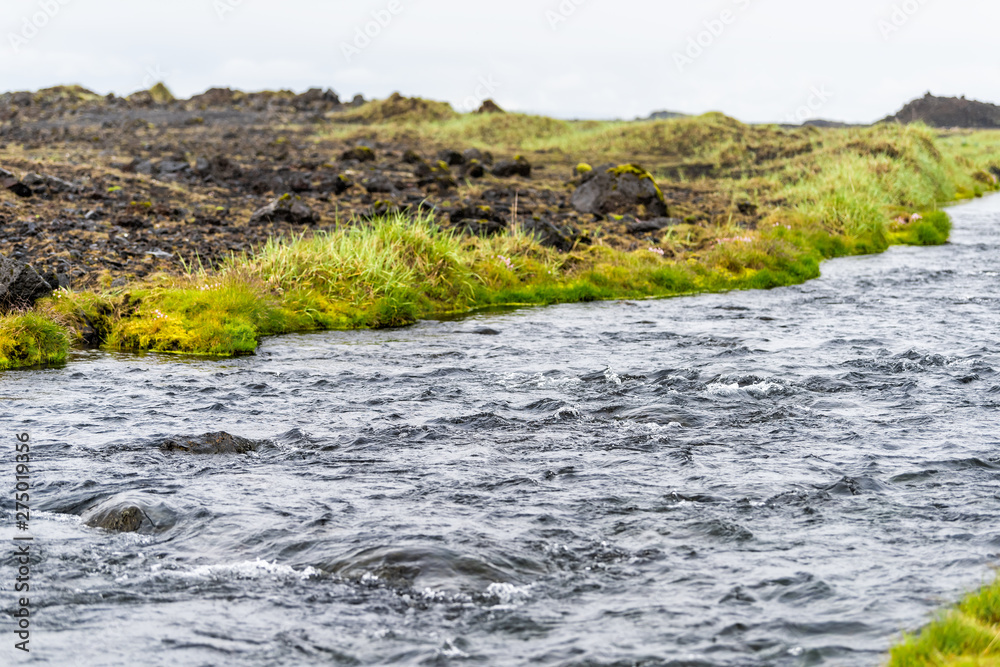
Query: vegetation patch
(968, 634)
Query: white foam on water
(251, 569)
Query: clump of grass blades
(969, 634)
(30, 339)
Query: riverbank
(733, 207)
(967, 634)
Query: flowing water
(789, 477)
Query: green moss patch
(30, 339)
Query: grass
(966, 635)
(31, 339)
(821, 194)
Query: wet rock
(129, 512)
(337, 185)
(285, 209)
(359, 154)
(210, 443)
(653, 225)
(620, 190)
(516, 167)
(451, 158)
(20, 284)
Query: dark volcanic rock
(127, 519)
(42, 183)
(130, 512)
(516, 167)
(210, 443)
(17, 187)
(378, 183)
(489, 106)
(948, 112)
(559, 237)
(478, 220)
(412, 157)
(620, 190)
(474, 169)
(476, 154)
(285, 209)
(654, 225)
(20, 284)
(359, 154)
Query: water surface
(787, 477)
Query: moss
(161, 94)
(584, 168)
(29, 339)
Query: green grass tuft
(30, 339)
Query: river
(785, 477)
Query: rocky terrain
(949, 112)
(102, 190)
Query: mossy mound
(399, 109)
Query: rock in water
(20, 284)
(210, 443)
(285, 209)
(625, 189)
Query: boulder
(130, 512)
(619, 190)
(516, 167)
(17, 187)
(285, 209)
(473, 169)
(20, 284)
(210, 443)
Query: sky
(755, 60)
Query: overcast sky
(757, 60)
